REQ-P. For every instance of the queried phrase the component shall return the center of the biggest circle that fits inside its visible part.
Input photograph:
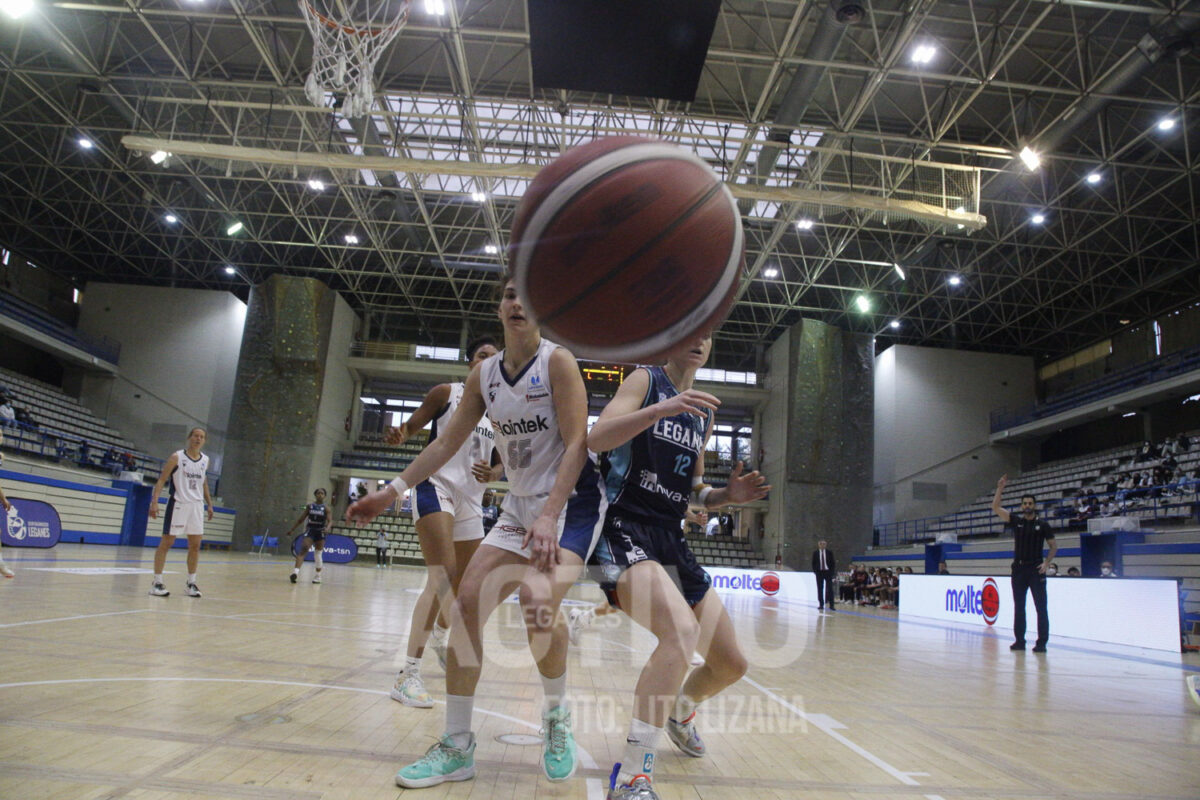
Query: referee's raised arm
(998, 509)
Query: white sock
(458, 718)
(684, 708)
(555, 690)
(319, 560)
(412, 666)
(295, 570)
(587, 617)
(191, 577)
(158, 577)
(439, 633)
(641, 746)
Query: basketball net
(348, 37)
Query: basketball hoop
(345, 52)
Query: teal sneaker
(558, 749)
(442, 762)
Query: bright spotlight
(899, 271)
(171, 219)
(230, 270)
(491, 249)
(1030, 159)
(863, 302)
(435, 7)
(954, 280)
(16, 8)
(894, 324)
(770, 272)
(805, 224)
(1093, 178)
(1038, 219)
(159, 156)
(1166, 123)
(478, 197)
(923, 53)
(316, 184)
(233, 229)
(86, 143)
(351, 238)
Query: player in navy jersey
(534, 396)
(653, 433)
(317, 521)
(448, 509)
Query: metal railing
(39, 320)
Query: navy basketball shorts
(625, 542)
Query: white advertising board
(1140, 613)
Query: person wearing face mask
(1051, 570)
(1106, 570)
(1028, 567)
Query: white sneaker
(192, 590)
(158, 590)
(5, 571)
(317, 578)
(410, 690)
(577, 620)
(697, 660)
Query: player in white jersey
(187, 470)
(447, 510)
(534, 396)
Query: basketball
(624, 247)
(770, 583)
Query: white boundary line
(77, 616)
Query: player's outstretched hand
(363, 511)
(1000, 484)
(747, 487)
(395, 436)
(692, 401)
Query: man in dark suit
(824, 567)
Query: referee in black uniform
(1028, 567)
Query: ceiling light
(491, 249)
(16, 8)
(1030, 159)
(1123, 321)
(805, 224)
(234, 229)
(171, 219)
(1166, 123)
(894, 324)
(899, 271)
(1093, 178)
(159, 156)
(923, 53)
(1130, 414)
(351, 238)
(316, 184)
(770, 272)
(1038, 219)
(863, 302)
(435, 7)
(86, 143)
(230, 270)
(954, 280)
(478, 197)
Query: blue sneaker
(442, 762)
(558, 749)
(683, 735)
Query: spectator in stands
(1148, 452)
(1052, 570)
(942, 568)
(25, 418)
(1106, 570)
(111, 460)
(888, 590)
(84, 454)
(7, 506)
(1110, 509)
(129, 462)
(360, 490)
(1029, 566)
(713, 527)
(381, 548)
(1072, 572)
(1183, 443)
(8, 415)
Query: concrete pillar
(277, 396)
(825, 474)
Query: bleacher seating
(33, 317)
(62, 424)
(723, 551)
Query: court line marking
(585, 756)
(77, 616)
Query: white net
(348, 37)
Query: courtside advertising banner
(31, 523)
(793, 586)
(1140, 613)
(338, 549)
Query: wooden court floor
(264, 689)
